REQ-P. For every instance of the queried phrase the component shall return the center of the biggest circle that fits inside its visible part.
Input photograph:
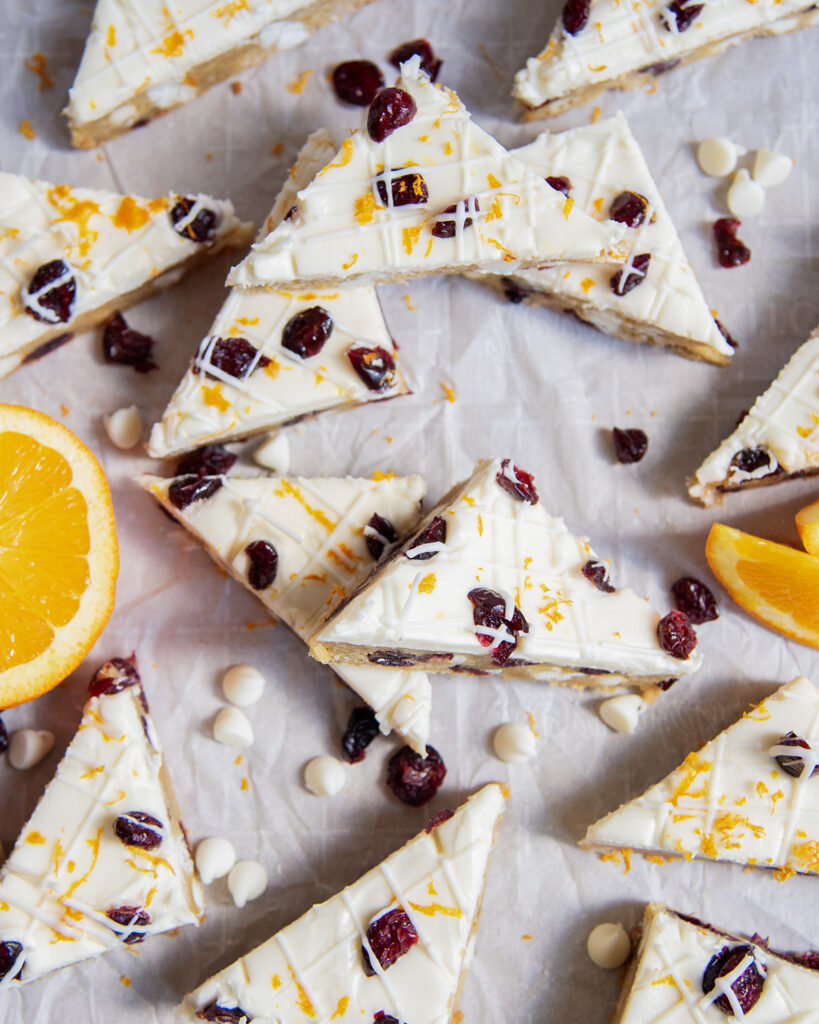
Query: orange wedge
(776, 584)
(58, 553)
(807, 523)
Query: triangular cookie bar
(69, 257)
(103, 860)
(274, 357)
(654, 297)
(333, 963)
(491, 582)
(300, 545)
(606, 44)
(777, 440)
(688, 972)
(420, 189)
(746, 797)
(143, 59)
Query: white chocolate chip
(243, 685)
(514, 742)
(771, 168)
(717, 156)
(29, 746)
(232, 727)
(247, 881)
(124, 427)
(745, 197)
(608, 945)
(274, 453)
(214, 858)
(621, 713)
(325, 776)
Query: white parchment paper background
(530, 384)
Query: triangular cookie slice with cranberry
(688, 972)
(747, 796)
(419, 189)
(300, 546)
(271, 358)
(605, 44)
(393, 946)
(142, 60)
(70, 257)
(491, 582)
(104, 860)
(654, 297)
(777, 440)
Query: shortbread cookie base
(636, 79)
(714, 493)
(91, 134)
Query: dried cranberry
(4, 737)
(379, 534)
(560, 182)
(210, 460)
(375, 366)
(47, 347)
(629, 445)
(357, 82)
(433, 533)
(809, 959)
(695, 599)
(307, 332)
(217, 1014)
(448, 228)
(112, 677)
(234, 357)
(731, 252)
(415, 779)
(728, 337)
(636, 275)
(200, 228)
(575, 15)
(660, 68)
(136, 828)
(438, 819)
(48, 301)
(429, 62)
(517, 482)
(794, 765)
(629, 208)
(490, 611)
(748, 986)
(362, 728)
(392, 108)
(407, 190)
(513, 291)
(392, 658)
(127, 916)
(124, 346)
(264, 563)
(676, 635)
(683, 15)
(9, 954)
(390, 937)
(749, 460)
(666, 684)
(384, 1018)
(185, 490)
(596, 573)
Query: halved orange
(58, 553)
(807, 523)
(776, 584)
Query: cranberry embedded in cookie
(445, 227)
(137, 828)
(560, 183)
(517, 482)
(375, 366)
(390, 937)
(429, 541)
(407, 190)
(209, 460)
(746, 989)
(596, 573)
(264, 564)
(629, 208)
(495, 629)
(185, 490)
(128, 916)
(112, 677)
(635, 275)
(793, 764)
(391, 109)
(438, 819)
(575, 15)
(306, 333)
(379, 536)
(684, 14)
(192, 219)
(216, 1014)
(235, 357)
(51, 293)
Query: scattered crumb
(458, 1017)
(26, 129)
(277, 149)
(259, 625)
(389, 439)
(235, 88)
(208, 156)
(64, 409)
(653, 412)
(222, 572)
(496, 71)
(526, 938)
(651, 88)
(125, 980)
(594, 418)
(239, 758)
(410, 307)
(37, 65)
(100, 158)
(629, 412)
(245, 784)
(449, 391)
(299, 82)
(596, 115)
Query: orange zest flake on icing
(341, 1008)
(229, 10)
(297, 85)
(36, 64)
(759, 712)
(77, 212)
(212, 396)
(364, 208)
(552, 603)
(493, 181)
(447, 149)
(35, 838)
(276, 981)
(469, 500)
(111, 36)
(247, 321)
(379, 475)
(351, 262)
(568, 203)
(807, 431)
(131, 215)
(316, 513)
(431, 909)
(273, 367)
(119, 797)
(152, 858)
(531, 718)
(26, 130)
(587, 283)
(761, 789)
(302, 1000)
(89, 773)
(774, 798)
(807, 855)
(692, 767)
(151, 893)
(431, 888)
(480, 525)
(667, 980)
(784, 873)
(427, 584)
(319, 577)
(507, 255)
(334, 556)
(596, 67)
(337, 593)
(598, 204)
(95, 852)
(174, 43)
(410, 238)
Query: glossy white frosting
(114, 245)
(317, 527)
(344, 231)
(601, 161)
(730, 800)
(667, 985)
(620, 38)
(68, 867)
(519, 550)
(784, 420)
(312, 969)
